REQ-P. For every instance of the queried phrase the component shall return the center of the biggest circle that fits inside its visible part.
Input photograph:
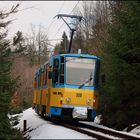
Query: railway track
(98, 132)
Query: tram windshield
(80, 71)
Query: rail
(98, 132)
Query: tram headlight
(68, 100)
(88, 101)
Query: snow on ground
(39, 128)
(134, 132)
(42, 129)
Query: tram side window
(62, 71)
(40, 77)
(46, 72)
(43, 76)
(35, 82)
(55, 70)
(38, 80)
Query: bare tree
(94, 27)
(42, 42)
(37, 45)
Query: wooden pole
(24, 125)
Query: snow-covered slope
(42, 129)
(38, 128)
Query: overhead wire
(63, 23)
(49, 26)
(52, 19)
(69, 14)
(61, 7)
(66, 18)
(75, 6)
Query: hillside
(22, 68)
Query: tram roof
(70, 55)
(79, 55)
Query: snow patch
(136, 131)
(38, 128)
(98, 119)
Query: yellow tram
(66, 87)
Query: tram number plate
(78, 95)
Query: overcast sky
(40, 13)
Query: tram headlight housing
(88, 101)
(68, 100)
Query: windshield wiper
(86, 82)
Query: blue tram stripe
(55, 111)
(69, 86)
(76, 86)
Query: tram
(66, 87)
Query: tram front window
(80, 71)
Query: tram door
(53, 79)
(49, 88)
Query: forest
(110, 30)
